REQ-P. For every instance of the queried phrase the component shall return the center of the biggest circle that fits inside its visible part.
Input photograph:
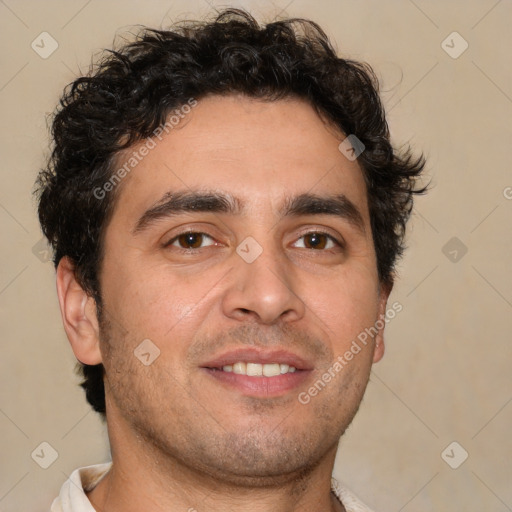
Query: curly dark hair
(130, 92)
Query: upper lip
(253, 355)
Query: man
(225, 209)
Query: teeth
(258, 370)
(239, 368)
(271, 370)
(254, 369)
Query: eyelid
(186, 232)
(337, 239)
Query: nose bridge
(265, 281)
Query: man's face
(213, 300)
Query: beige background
(446, 374)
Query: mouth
(257, 373)
(258, 369)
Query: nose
(265, 289)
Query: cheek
(348, 318)
(140, 290)
(347, 304)
(153, 302)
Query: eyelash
(337, 242)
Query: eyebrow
(192, 201)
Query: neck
(144, 478)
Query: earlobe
(378, 353)
(78, 311)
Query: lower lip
(260, 386)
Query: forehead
(258, 151)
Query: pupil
(191, 239)
(317, 237)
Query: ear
(384, 291)
(78, 312)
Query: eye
(192, 240)
(188, 240)
(320, 240)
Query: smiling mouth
(259, 373)
(257, 369)
(263, 380)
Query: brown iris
(191, 240)
(317, 240)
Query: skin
(179, 439)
